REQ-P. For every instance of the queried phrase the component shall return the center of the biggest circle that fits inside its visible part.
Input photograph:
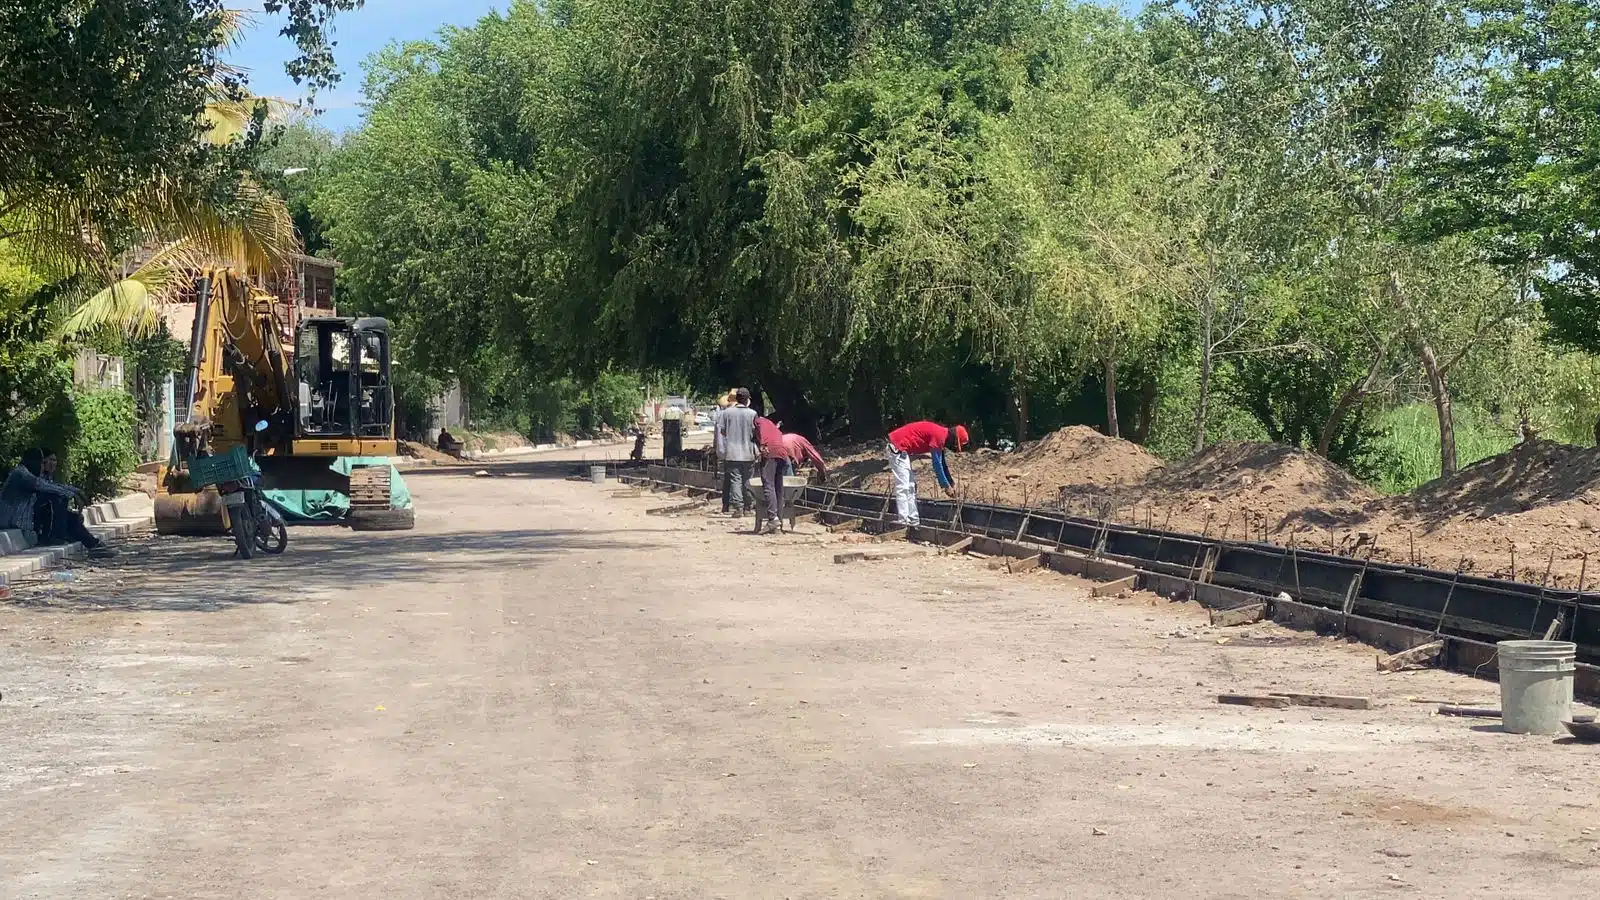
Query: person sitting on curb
(448, 443)
(27, 490)
(55, 521)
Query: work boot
(775, 526)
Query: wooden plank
(1112, 588)
(1476, 712)
(678, 508)
(897, 534)
(1239, 615)
(958, 547)
(1083, 566)
(1406, 659)
(1022, 565)
(804, 519)
(1265, 702)
(846, 525)
(871, 555)
(1326, 701)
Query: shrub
(103, 450)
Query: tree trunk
(1448, 460)
(789, 405)
(866, 415)
(1112, 429)
(1202, 406)
(1020, 402)
(1347, 402)
(1144, 415)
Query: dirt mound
(1530, 513)
(425, 453)
(1271, 486)
(1031, 476)
(1532, 510)
(1076, 456)
(1531, 475)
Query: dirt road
(543, 692)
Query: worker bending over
(921, 439)
(801, 451)
(774, 460)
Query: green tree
(1510, 159)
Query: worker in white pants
(905, 485)
(916, 439)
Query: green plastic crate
(231, 466)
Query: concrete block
(131, 506)
(13, 541)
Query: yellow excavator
(294, 411)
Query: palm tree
(175, 223)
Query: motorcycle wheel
(243, 525)
(272, 536)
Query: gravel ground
(543, 692)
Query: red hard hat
(961, 436)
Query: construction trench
(1449, 618)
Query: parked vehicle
(255, 525)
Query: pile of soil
(427, 454)
(1531, 475)
(1030, 476)
(1035, 475)
(1248, 488)
(1539, 500)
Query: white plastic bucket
(597, 474)
(1536, 685)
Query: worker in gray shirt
(736, 444)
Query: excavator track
(369, 502)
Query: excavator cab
(342, 380)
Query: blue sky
(360, 33)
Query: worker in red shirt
(801, 451)
(769, 441)
(919, 439)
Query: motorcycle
(255, 523)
